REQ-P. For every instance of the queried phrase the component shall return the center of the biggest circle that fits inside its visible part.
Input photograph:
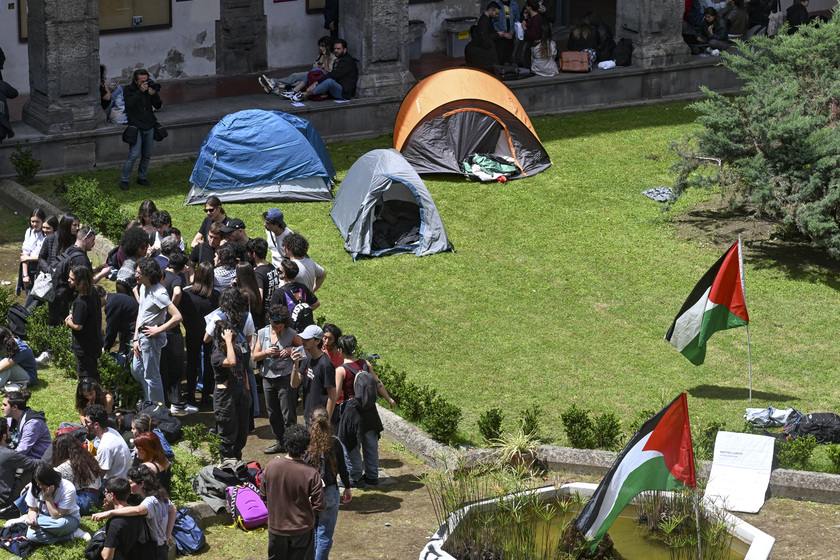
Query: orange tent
(459, 112)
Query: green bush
(184, 468)
(795, 453)
(607, 431)
(441, 419)
(704, 439)
(26, 166)
(777, 145)
(530, 421)
(95, 208)
(579, 427)
(37, 332)
(120, 382)
(833, 452)
(57, 340)
(490, 424)
(7, 299)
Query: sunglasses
(89, 233)
(209, 210)
(276, 319)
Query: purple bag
(247, 508)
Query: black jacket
(6, 92)
(345, 72)
(138, 106)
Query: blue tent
(262, 155)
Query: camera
(154, 85)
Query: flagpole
(697, 522)
(744, 290)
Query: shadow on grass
(370, 502)
(736, 394)
(797, 261)
(390, 463)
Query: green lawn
(562, 285)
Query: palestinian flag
(659, 457)
(717, 303)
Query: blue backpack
(188, 536)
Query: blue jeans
(252, 381)
(86, 499)
(325, 523)
(143, 148)
(370, 448)
(146, 368)
(52, 530)
(328, 86)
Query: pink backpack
(246, 506)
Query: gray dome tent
(383, 208)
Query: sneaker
(177, 410)
(79, 534)
(43, 358)
(265, 83)
(276, 448)
(123, 185)
(143, 182)
(21, 519)
(357, 483)
(297, 96)
(189, 408)
(371, 481)
(11, 387)
(289, 94)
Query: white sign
(740, 471)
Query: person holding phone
(53, 513)
(314, 371)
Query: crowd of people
(193, 326)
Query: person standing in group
(315, 371)
(310, 273)
(197, 301)
(232, 394)
(275, 232)
(141, 98)
(32, 242)
(149, 334)
(360, 428)
(293, 492)
(273, 349)
(86, 323)
(215, 213)
(326, 454)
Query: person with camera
(141, 98)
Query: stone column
(376, 32)
(655, 27)
(241, 38)
(63, 66)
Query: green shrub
(704, 439)
(833, 452)
(120, 382)
(184, 468)
(57, 340)
(530, 421)
(37, 332)
(441, 419)
(7, 299)
(795, 453)
(490, 424)
(96, 208)
(607, 431)
(25, 165)
(641, 417)
(579, 427)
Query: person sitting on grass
(150, 453)
(71, 459)
(89, 392)
(18, 364)
(53, 514)
(112, 454)
(29, 434)
(159, 512)
(122, 533)
(15, 471)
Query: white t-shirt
(210, 323)
(153, 306)
(113, 454)
(64, 498)
(32, 242)
(65, 469)
(156, 518)
(308, 270)
(275, 245)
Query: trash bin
(416, 30)
(457, 34)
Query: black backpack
(824, 426)
(364, 387)
(623, 52)
(17, 317)
(300, 311)
(61, 277)
(166, 423)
